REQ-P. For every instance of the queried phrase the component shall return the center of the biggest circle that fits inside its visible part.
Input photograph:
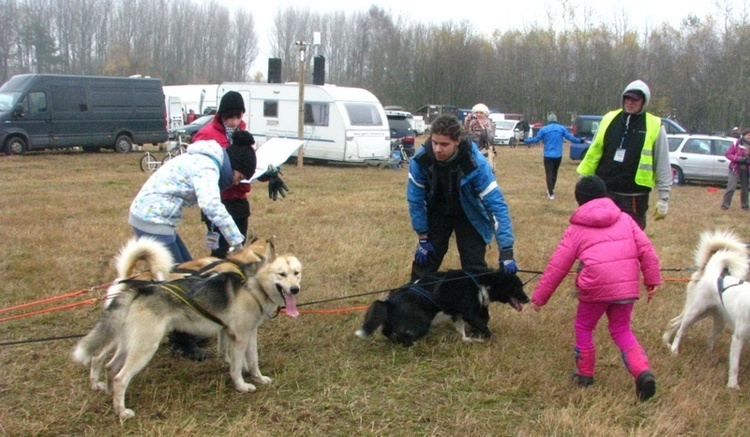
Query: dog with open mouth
(409, 311)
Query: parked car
(699, 158)
(189, 130)
(586, 126)
(401, 128)
(505, 130)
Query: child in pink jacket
(613, 251)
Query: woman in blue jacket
(552, 135)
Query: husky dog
(233, 304)
(408, 312)
(717, 289)
(143, 260)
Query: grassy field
(64, 217)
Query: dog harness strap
(720, 287)
(422, 292)
(180, 294)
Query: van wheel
(16, 146)
(123, 144)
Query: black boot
(186, 345)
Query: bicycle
(149, 162)
(400, 153)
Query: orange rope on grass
(53, 309)
(41, 301)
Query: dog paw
(361, 333)
(733, 384)
(99, 386)
(262, 379)
(127, 413)
(245, 387)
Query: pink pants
(618, 315)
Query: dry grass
(64, 216)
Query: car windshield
(506, 124)
(7, 100)
(399, 123)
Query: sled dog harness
(180, 294)
(425, 294)
(720, 285)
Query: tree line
(697, 71)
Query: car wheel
(123, 144)
(16, 146)
(678, 178)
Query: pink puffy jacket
(613, 249)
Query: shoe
(645, 386)
(582, 380)
(185, 345)
(550, 196)
(724, 208)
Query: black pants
(635, 206)
(471, 245)
(551, 165)
(239, 209)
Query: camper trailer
(341, 124)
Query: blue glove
(509, 266)
(506, 261)
(423, 250)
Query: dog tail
(138, 255)
(376, 315)
(719, 250)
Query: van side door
(72, 123)
(32, 116)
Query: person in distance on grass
(194, 177)
(631, 154)
(552, 135)
(479, 126)
(614, 251)
(227, 120)
(739, 158)
(451, 188)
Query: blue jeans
(174, 243)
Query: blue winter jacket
(481, 198)
(552, 135)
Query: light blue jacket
(552, 135)
(481, 198)
(186, 180)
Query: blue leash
(422, 292)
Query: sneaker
(645, 386)
(582, 380)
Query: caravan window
(363, 114)
(316, 114)
(271, 108)
(69, 98)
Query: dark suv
(400, 128)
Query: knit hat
(480, 108)
(552, 118)
(241, 153)
(232, 100)
(590, 188)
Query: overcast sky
(489, 15)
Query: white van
(342, 124)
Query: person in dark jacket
(451, 188)
(739, 161)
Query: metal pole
(301, 115)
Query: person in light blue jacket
(186, 180)
(451, 188)
(552, 135)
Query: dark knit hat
(590, 188)
(232, 100)
(241, 153)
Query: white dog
(717, 289)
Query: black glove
(276, 186)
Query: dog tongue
(291, 305)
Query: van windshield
(8, 100)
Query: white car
(699, 158)
(505, 130)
